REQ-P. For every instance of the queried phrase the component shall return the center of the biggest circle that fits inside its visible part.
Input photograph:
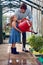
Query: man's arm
(30, 15)
(30, 18)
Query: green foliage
(36, 42)
(41, 50)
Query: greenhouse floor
(21, 59)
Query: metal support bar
(32, 5)
(0, 1)
(10, 5)
(1, 39)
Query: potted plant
(36, 42)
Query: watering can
(25, 25)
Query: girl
(14, 34)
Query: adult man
(21, 13)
